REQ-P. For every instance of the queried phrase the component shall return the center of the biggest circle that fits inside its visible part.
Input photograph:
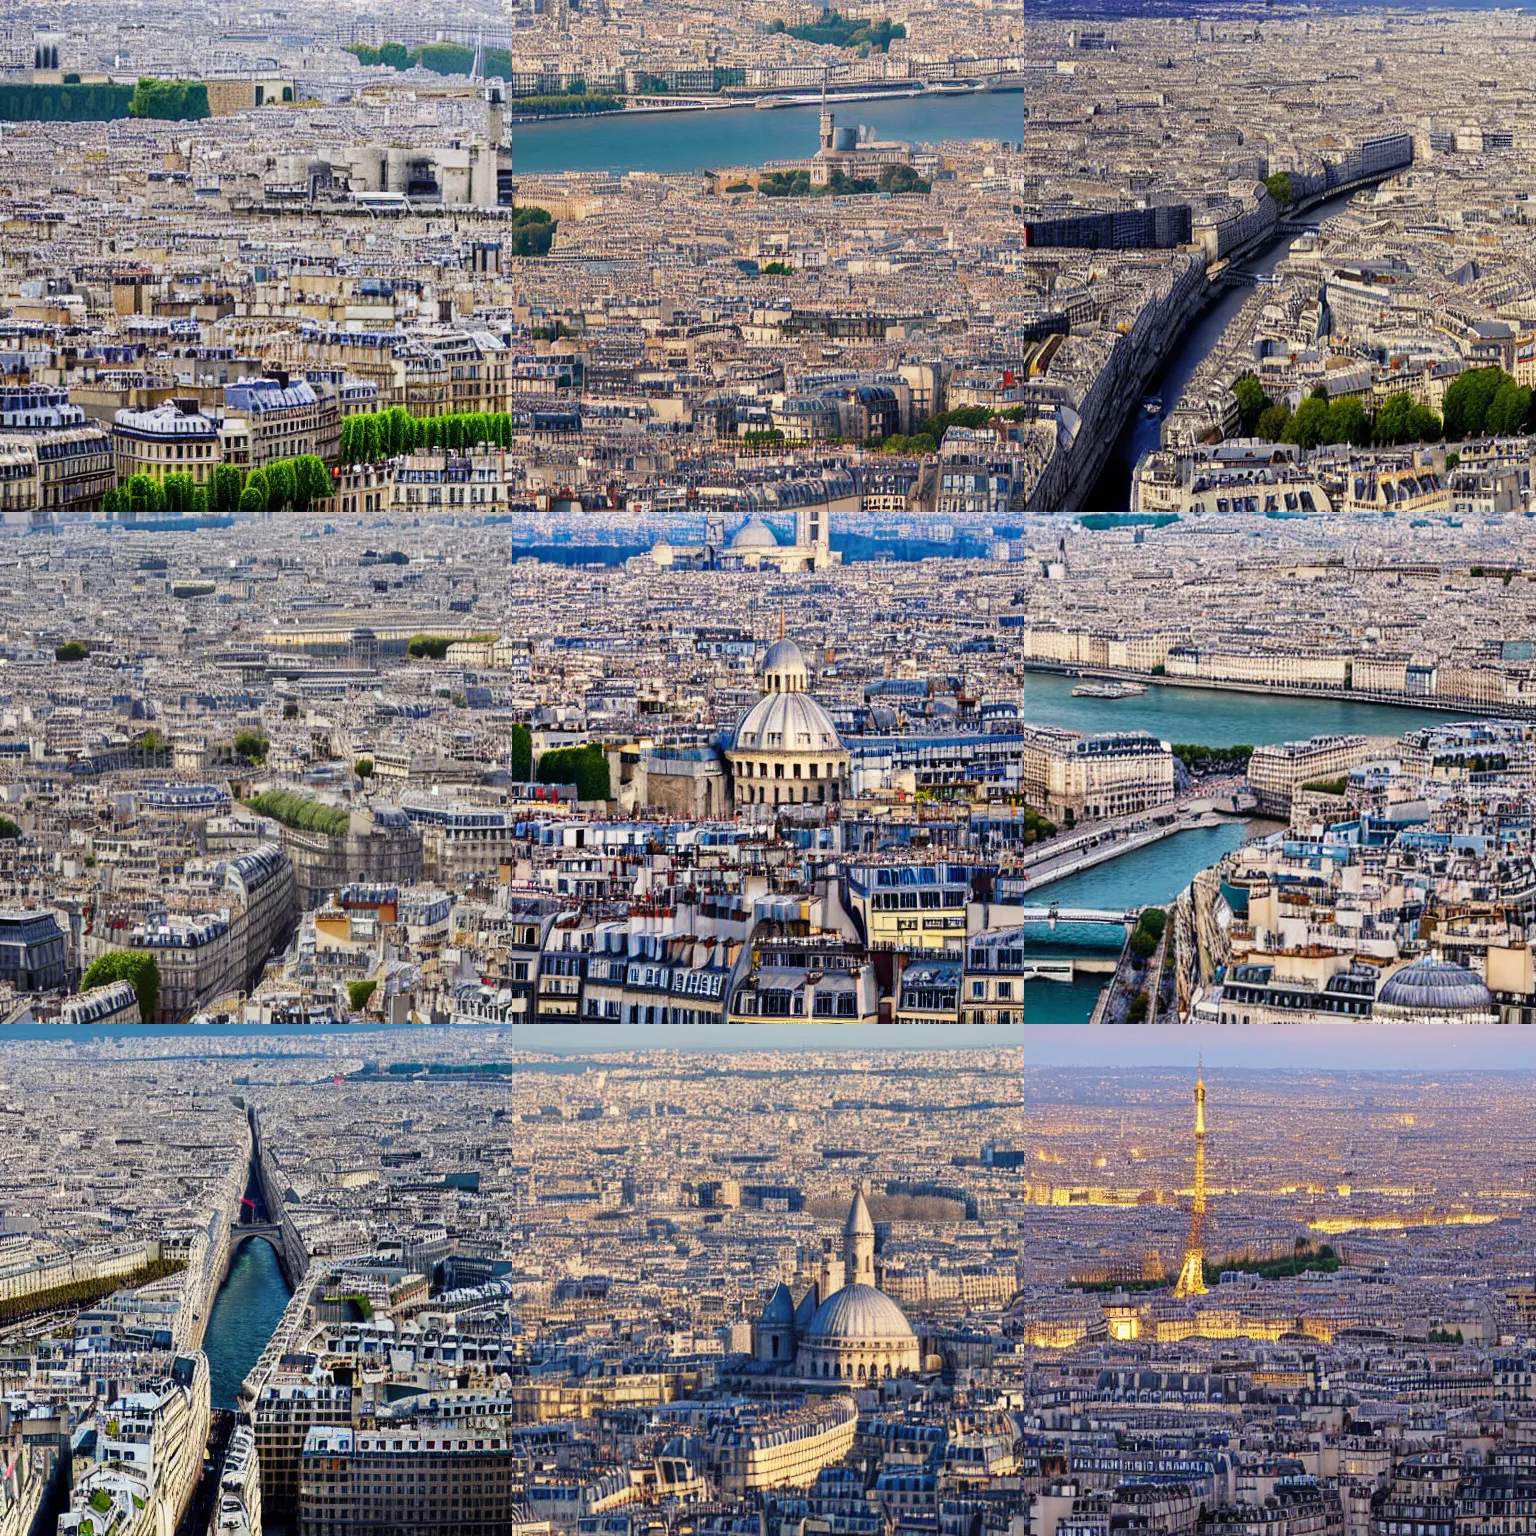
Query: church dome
(781, 1307)
(858, 1315)
(784, 658)
(789, 723)
(754, 534)
(1434, 986)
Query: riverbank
(1107, 852)
(772, 100)
(1139, 433)
(1461, 711)
(1152, 875)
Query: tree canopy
(1486, 400)
(135, 966)
(586, 767)
(171, 100)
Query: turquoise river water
(1157, 874)
(676, 142)
(245, 1312)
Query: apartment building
(1278, 770)
(1070, 777)
(375, 1483)
(175, 438)
(992, 984)
(278, 418)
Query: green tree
(359, 992)
(9, 831)
(522, 754)
(1309, 426)
(1402, 419)
(1508, 410)
(1252, 402)
(1469, 398)
(257, 483)
(135, 966)
(225, 487)
(178, 490)
(1347, 423)
(252, 746)
(363, 768)
(1273, 423)
(169, 100)
(282, 485)
(586, 767)
(72, 650)
(1279, 185)
(145, 494)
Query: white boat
(1153, 405)
(1108, 690)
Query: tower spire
(1191, 1281)
(782, 630)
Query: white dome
(787, 722)
(858, 1314)
(786, 656)
(754, 534)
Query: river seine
(696, 141)
(1213, 718)
(245, 1312)
(1157, 874)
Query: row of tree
(1319, 420)
(70, 102)
(383, 435)
(169, 100)
(585, 767)
(84, 1293)
(1479, 402)
(296, 483)
(834, 29)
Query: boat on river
(1115, 690)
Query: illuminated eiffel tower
(1191, 1281)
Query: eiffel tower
(1191, 1281)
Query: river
(1212, 717)
(245, 1312)
(1155, 875)
(1150, 876)
(677, 142)
(1142, 432)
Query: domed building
(786, 750)
(857, 1334)
(846, 1329)
(753, 534)
(1432, 990)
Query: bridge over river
(1109, 917)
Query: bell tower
(859, 1242)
